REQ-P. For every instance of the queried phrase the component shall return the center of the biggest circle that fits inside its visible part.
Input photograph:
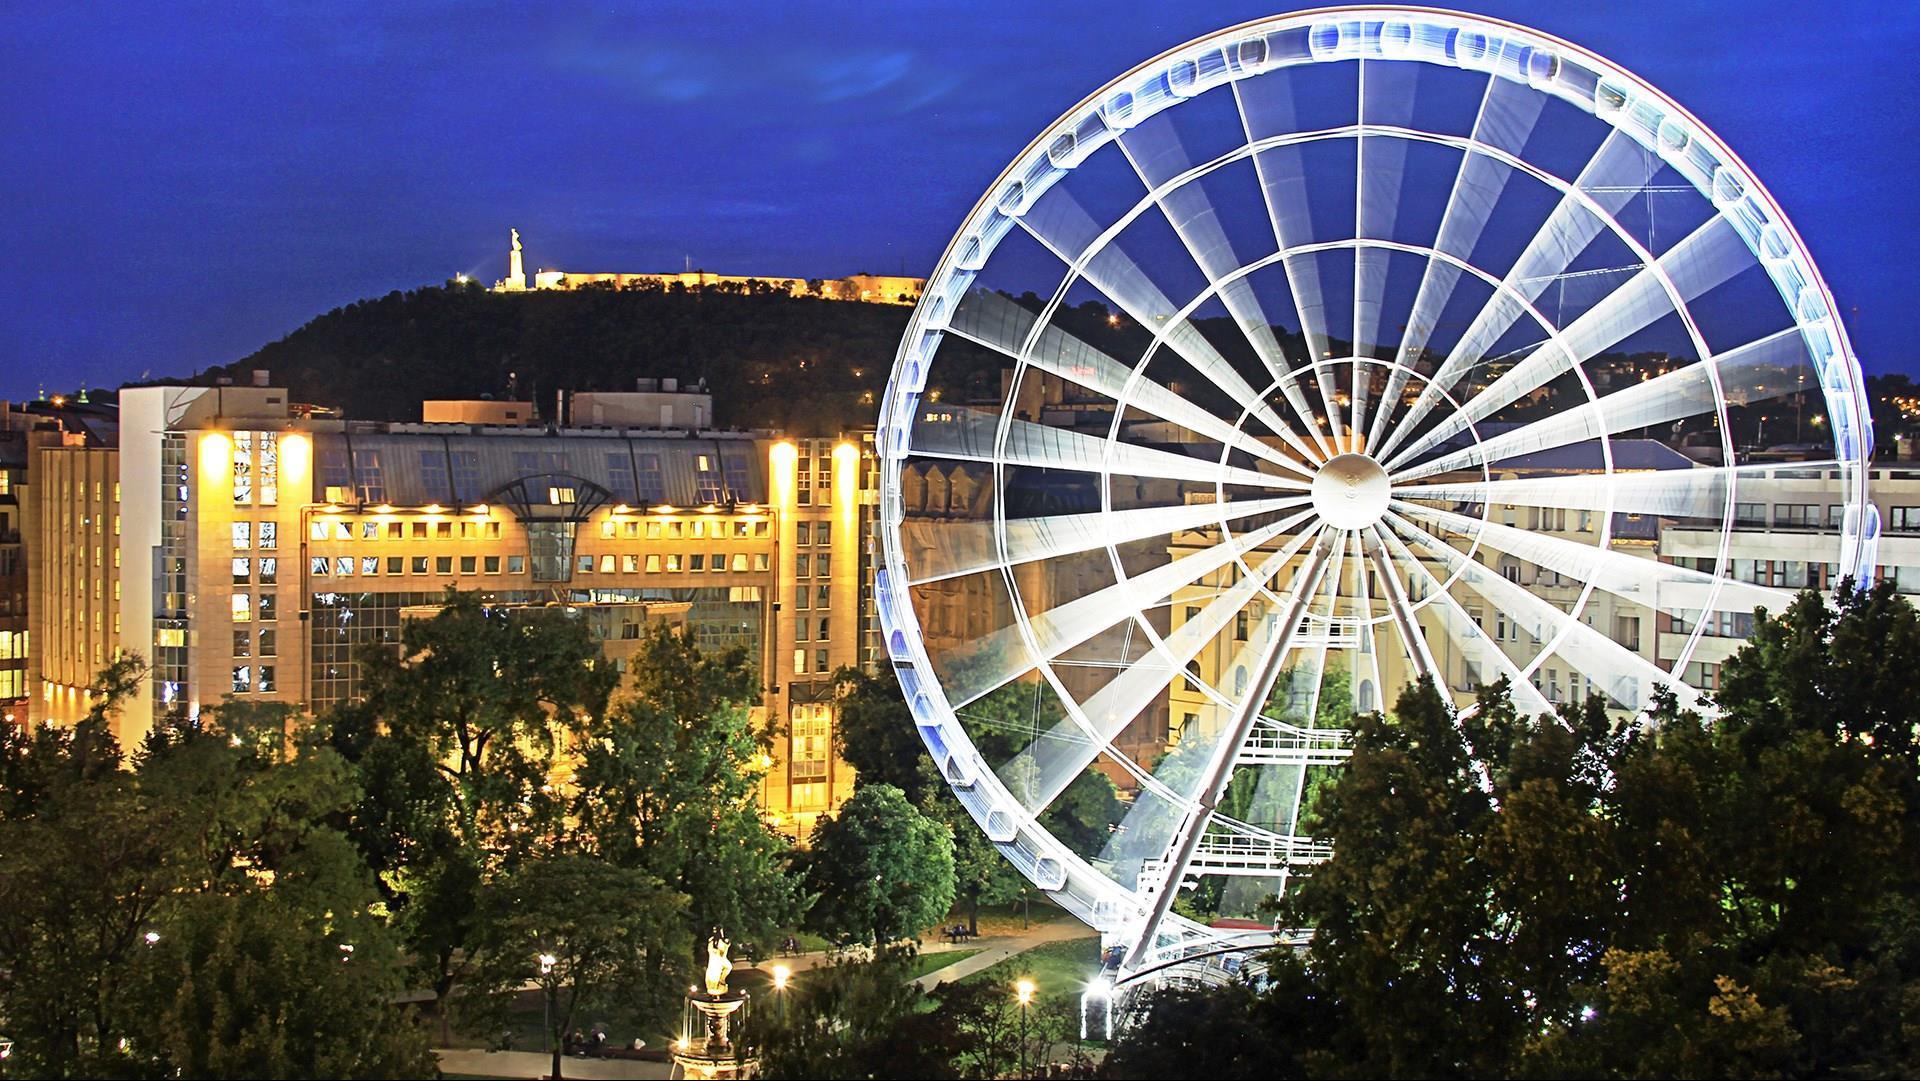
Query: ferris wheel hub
(1350, 491)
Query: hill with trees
(806, 365)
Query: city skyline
(213, 183)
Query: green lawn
(934, 962)
(1059, 970)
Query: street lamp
(781, 975)
(152, 937)
(1023, 990)
(547, 961)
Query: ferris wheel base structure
(1312, 357)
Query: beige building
(270, 549)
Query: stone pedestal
(711, 1029)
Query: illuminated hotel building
(251, 552)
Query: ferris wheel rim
(1099, 891)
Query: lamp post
(1023, 990)
(547, 961)
(781, 975)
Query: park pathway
(476, 1063)
(997, 948)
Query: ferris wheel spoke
(1405, 622)
(1186, 208)
(1707, 257)
(1283, 187)
(1621, 673)
(1332, 579)
(1219, 769)
(1366, 643)
(996, 322)
(1003, 655)
(1368, 278)
(970, 435)
(1662, 587)
(1609, 179)
(1071, 234)
(1763, 369)
(954, 548)
(1465, 632)
(1701, 492)
(1506, 117)
(1077, 743)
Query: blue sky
(185, 182)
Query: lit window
(242, 536)
(242, 608)
(269, 468)
(243, 467)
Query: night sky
(186, 182)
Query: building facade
(254, 553)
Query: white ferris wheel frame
(1549, 65)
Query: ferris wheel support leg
(1417, 649)
(1220, 770)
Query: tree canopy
(1579, 896)
(881, 870)
(197, 915)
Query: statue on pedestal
(719, 965)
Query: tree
(1586, 895)
(252, 985)
(881, 870)
(188, 917)
(494, 697)
(857, 1019)
(585, 932)
(37, 762)
(874, 732)
(1231, 1033)
(669, 783)
(459, 735)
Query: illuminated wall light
(784, 458)
(215, 458)
(846, 479)
(296, 457)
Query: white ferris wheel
(1308, 358)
